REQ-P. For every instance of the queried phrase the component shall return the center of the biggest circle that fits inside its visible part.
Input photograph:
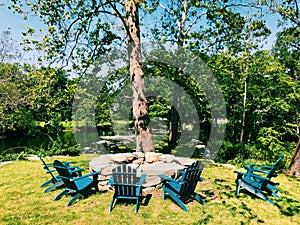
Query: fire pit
(150, 163)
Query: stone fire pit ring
(150, 163)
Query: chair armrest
(266, 167)
(142, 179)
(75, 169)
(110, 181)
(67, 163)
(84, 176)
(259, 177)
(243, 173)
(252, 166)
(47, 165)
(50, 171)
(260, 169)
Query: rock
(103, 178)
(107, 171)
(168, 169)
(200, 146)
(183, 161)
(152, 164)
(151, 181)
(151, 157)
(148, 191)
(139, 155)
(167, 158)
(138, 161)
(123, 157)
(103, 159)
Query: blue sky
(16, 24)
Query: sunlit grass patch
(23, 202)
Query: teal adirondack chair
(55, 180)
(257, 180)
(78, 186)
(127, 184)
(183, 189)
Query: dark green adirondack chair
(183, 189)
(127, 184)
(78, 186)
(257, 180)
(55, 180)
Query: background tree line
(261, 88)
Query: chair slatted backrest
(190, 178)
(46, 167)
(65, 174)
(125, 178)
(275, 167)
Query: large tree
(81, 31)
(140, 109)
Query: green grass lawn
(23, 202)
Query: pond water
(16, 144)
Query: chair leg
(238, 186)
(163, 195)
(111, 204)
(78, 195)
(275, 195)
(60, 195)
(181, 204)
(95, 182)
(263, 196)
(137, 206)
(47, 183)
(56, 185)
(199, 199)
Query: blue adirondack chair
(78, 186)
(183, 189)
(257, 180)
(55, 179)
(127, 185)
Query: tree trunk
(173, 128)
(244, 114)
(294, 168)
(143, 135)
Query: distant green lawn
(23, 202)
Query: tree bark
(143, 135)
(294, 168)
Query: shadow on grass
(186, 200)
(144, 201)
(288, 206)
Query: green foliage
(21, 154)
(29, 95)
(60, 146)
(261, 88)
